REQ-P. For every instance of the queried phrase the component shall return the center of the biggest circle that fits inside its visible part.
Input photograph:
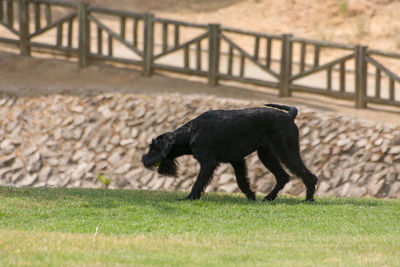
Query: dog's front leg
(203, 179)
(242, 178)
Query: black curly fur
(168, 167)
(228, 136)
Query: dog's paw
(251, 196)
(308, 200)
(269, 198)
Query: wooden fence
(284, 62)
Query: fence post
(23, 28)
(213, 53)
(361, 76)
(148, 44)
(286, 65)
(84, 34)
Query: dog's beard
(150, 163)
(164, 166)
(168, 167)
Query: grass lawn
(53, 227)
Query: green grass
(56, 227)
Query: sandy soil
(28, 76)
(375, 23)
(372, 22)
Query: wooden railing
(284, 62)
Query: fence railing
(284, 62)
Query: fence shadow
(164, 5)
(30, 77)
(210, 51)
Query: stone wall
(62, 140)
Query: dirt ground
(372, 22)
(375, 23)
(27, 76)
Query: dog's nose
(143, 158)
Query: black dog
(228, 136)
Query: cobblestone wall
(61, 140)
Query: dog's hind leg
(203, 179)
(296, 165)
(273, 164)
(290, 156)
(242, 178)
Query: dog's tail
(292, 111)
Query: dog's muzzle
(150, 163)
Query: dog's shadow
(114, 198)
(228, 199)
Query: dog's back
(244, 119)
(238, 133)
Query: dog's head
(158, 155)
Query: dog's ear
(167, 142)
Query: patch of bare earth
(375, 23)
(371, 22)
(36, 76)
